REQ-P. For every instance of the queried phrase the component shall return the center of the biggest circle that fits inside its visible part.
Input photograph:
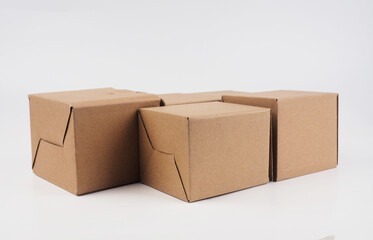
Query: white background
(186, 46)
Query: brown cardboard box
(185, 98)
(304, 130)
(197, 151)
(85, 141)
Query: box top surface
(184, 98)
(100, 96)
(282, 94)
(198, 97)
(209, 109)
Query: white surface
(181, 46)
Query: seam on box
(177, 168)
(337, 126)
(36, 154)
(270, 147)
(189, 155)
(146, 131)
(274, 146)
(76, 162)
(181, 180)
(162, 103)
(67, 125)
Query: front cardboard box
(202, 150)
(304, 130)
(85, 141)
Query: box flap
(57, 164)
(49, 122)
(160, 169)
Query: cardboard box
(85, 141)
(186, 98)
(197, 151)
(304, 130)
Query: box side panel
(307, 135)
(56, 164)
(265, 103)
(107, 145)
(169, 135)
(228, 153)
(48, 122)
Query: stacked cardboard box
(304, 130)
(191, 146)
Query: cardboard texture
(85, 141)
(186, 98)
(198, 151)
(304, 130)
